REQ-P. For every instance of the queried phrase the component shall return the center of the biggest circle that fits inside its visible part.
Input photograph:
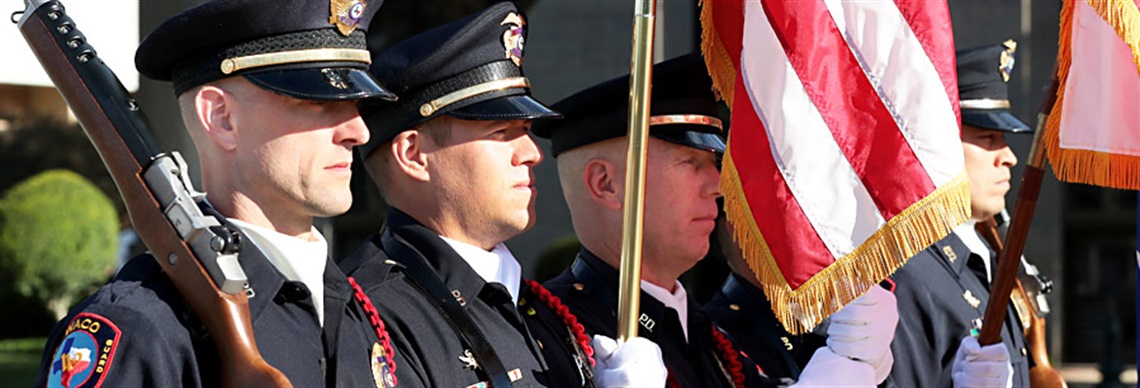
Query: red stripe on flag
(862, 126)
(796, 247)
(931, 26)
(729, 17)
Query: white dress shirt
(677, 300)
(298, 260)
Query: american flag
(844, 157)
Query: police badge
(346, 14)
(513, 39)
(1007, 59)
(381, 373)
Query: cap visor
(700, 140)
(517, 107)
(996, 120)
(322, 84)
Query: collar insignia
(346, 14)
(647, 322)
(950, 255)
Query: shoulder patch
(84, 356)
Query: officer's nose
(352, 132)
(527, 151)
(711, 179)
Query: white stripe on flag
(897, 66)
(817, 172)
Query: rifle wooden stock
(101, 104)
(1042, 374)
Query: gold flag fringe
(849, 277)
(1085, 166)
(1124, 17)
(717, 60)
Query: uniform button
(734, 307)
(1024, 352)
(579, 286)
(293, 291)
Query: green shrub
(58, 238)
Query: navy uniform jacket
(744, 312)
(137, 331)
(589, 289)
(938, 296)
(422, 335)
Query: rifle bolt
(217, 243)
(172, 259)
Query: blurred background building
(1082, 236)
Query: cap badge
(513, 37)
(346, 14)
(381, 369)
(1007, 59)
(334, 78)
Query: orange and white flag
(1092, 135)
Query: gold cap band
(430, 107)
(230, 65)
(687, 119)
(984, 104)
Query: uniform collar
(954, 254)
(973, 241)
(742, 293)
(495, 266)
(266, 282)
(456, 274)
(602, 278)
(678, 300)
(296, 259)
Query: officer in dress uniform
(454, 160)
(267, 93)
(943, 290)
(744, 312)
(682, 180)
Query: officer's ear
(214, 111)
(603, 183)
(407, 151)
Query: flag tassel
(906, 234)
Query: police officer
(742, 309)
(454, 160)
(267, 93)
(943, 290)
(682, 178)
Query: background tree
(58, 238)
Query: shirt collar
(295, 258)
(496, 266)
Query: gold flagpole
(641, 72)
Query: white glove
(827, 369)
(636, 363)
(863, 329)
(982, 366)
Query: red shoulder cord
(568, 318)
(377, 324)
(730, 356)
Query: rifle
(1042, 374)
(198, 254)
